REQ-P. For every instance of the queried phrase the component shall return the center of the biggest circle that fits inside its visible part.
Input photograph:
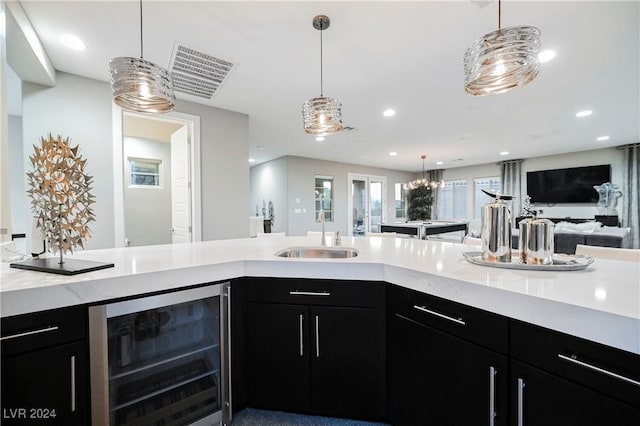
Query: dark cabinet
(317, 347)
(558, 379)
(436, 377)
(44, 368)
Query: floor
(254, 417)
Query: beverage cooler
(162, 360)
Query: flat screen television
(571, 185)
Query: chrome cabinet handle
(521, 385)
(29, 333)
(309, 293)
(439, 315)
(574, 359)
(492, 395)
(317, 337)
(73, 383)
(229, 403)
(301, 335)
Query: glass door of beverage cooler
(165, 362)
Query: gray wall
(81, 109)
(147, 211)
(20, 211)
(300, 186)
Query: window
(453, 201)
(491, 184)
(400, 198)
(324, 197)
(145, 173)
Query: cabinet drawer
(315, 292)
(23, 333)
(602, 368)
(472, 324)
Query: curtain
(630, 216)
(435, 176)
(511, 178)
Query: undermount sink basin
(318, 252)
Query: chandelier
(140, 85)
(424, 182)
(502, 60)
(322, 116)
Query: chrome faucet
(321, 220)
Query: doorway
(367, 203)
(157, 178)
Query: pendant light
(502, 60)
(140, 85)
(417, 183)
(322, 116)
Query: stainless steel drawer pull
(521, 402)
(29, 333)
(309, 293)
(492, 395)
(439, 315)
(317, 337)
(574, 359)
(301, 318)
(73, 383)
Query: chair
(380, 234)
(598, 252)
(471, 241)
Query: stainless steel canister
(539, 242)
(522, 239)
(496, 232)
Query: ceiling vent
(196, 73)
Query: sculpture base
(69, 267)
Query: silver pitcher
(538, 246)
(496, 229)
(523, 239)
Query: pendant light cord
(321, 85)
(141, 44)
(499, 13)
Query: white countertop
(601, 303)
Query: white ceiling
(403, 55)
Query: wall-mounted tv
(572, 185)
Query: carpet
(255, 417)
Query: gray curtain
(435, 176)
(630, 216)
(511, 178)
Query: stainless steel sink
(318, 252)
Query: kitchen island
(601, 303)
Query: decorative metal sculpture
(60, 194)
(608, 194)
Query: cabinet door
(48, 386)
(347, 362)
(278, 356)
(542, 399)
(435, 378)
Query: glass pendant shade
(502, 60)
(322, 116)
(140, 85)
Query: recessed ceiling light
(504, 153)
(252, 160)
(439, 163)
(602, 138)
(389, 112)
(584, 113)
(72, 42)
(546, 55)
(319, 138)
(393, 153)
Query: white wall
(300, 187)
(20, 212)
(268, 181)
(81, 109)
(147, 211)
(584, 158)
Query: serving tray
(561, 262)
